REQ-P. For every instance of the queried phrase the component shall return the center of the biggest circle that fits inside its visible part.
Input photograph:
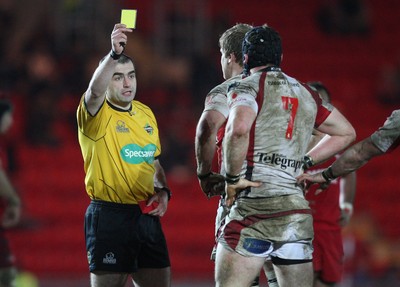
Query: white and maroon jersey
(387, 137)
(287, 111)
(216, 100)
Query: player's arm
(205, 145)
(348, 193)
(316, 137)
(96, 92)
(206, 133)
(352, 159)
(162, 192)
(340, 134)
(236, 142)
(355, 157)
(160, 180)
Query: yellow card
(128, 17)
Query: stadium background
(177, 56)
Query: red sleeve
(220, 137)
(323, 111)
(322, 114)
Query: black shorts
(119, 238)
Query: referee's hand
(161, 197)
(119, 38)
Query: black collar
(271, 69)
(129, 110)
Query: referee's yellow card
(128, 17)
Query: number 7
(290, 104)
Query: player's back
(282, 130)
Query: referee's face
(122, 88)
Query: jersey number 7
(290, 104)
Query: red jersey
(325, 205)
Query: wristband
(168, 191)
(114, 55)
(204, 176)
(232, 179)
(307, 162)
(328, 175)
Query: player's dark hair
(263, 46)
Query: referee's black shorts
(119, 238)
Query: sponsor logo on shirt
(149, 129)
(121, 128)
(135, 154)
(282, 82)
(109, 258)
(279, 160)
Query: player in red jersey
(331, 210)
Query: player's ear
(232, 58)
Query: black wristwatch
(168, 191)
(114, 55)
(307, 162)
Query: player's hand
(213, 185)
(119, 38)
(161, 197)
(306, 180)
(322, 187)
(11, 215)
(232, 190)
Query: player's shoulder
(395, 114)
(140, 105)
(245, 83)
(224, 86)
(232, 81)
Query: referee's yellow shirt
(118, 148)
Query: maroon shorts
(6, 258)
(328, 255)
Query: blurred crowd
(50, 48)
(48, 55)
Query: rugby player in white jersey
(270, 122)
